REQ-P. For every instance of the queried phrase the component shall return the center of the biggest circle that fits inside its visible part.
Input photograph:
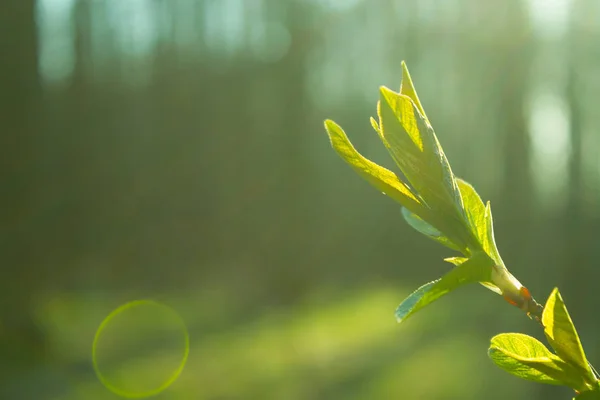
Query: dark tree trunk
(21, 341)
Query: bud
(514, 292)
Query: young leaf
(475, 210)
(489, 245)
(459, 260)
(426, 229)
(475, 269)
(382, 178)
(527, 358)
(408, 89)
(477, 215)
(413, 146)
(562, 336)
(374, 124)
(456, 260)
(507, 284)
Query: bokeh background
(174, 150)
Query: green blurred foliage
(174, 150)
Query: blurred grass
(333, 345)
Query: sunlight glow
(56, 40)
(549, 17)
(134, 22)
(549, 132)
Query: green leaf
(382, 178)
(456, 260)
(459, 260)
(562, 336)
(475, 210)
(414, 147)
(402, 125)
(426, 229)
(408, 89)
(374, 124)
(503, 282)
(475, 269)
(489, 244)
(527, 358)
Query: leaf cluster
(448, 210)
(434, 201)
(527, 358)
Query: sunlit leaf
(374, 124)
(411, 115)
(527, 358)
(401, 126)
(408, 89)
(414, 147)
(412, 144)
(475, 269)
(382, 178)
(482, 227)
(459, 260)
(475, 211)
(489, 244)
(562, 336)
(492, 287)
(436, 203)
(456, 260)
(426, 229)
(504, 282)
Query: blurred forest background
(174, 149)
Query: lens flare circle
(162, 386)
